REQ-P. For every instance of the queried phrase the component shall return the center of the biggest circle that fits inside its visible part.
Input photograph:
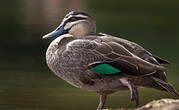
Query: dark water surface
(26, 83)
(39, 90)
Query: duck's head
(76, 23)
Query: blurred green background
(26, 83)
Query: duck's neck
(83, 29)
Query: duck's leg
(133, 90)
(102, 102)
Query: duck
(102, 63)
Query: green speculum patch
(105, 69)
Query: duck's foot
(102, 102)
(133, 90)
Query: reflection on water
(27, 83)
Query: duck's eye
(73, 19)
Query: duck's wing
(119, 59)
(135, 49)
(113, 58)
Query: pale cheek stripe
(69, 25)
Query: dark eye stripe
(73, 19)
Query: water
(26, 83)
(40, 90)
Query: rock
(162, 104)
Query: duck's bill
(58, 32)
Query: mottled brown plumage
(78, 49)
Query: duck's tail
(161, 85)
